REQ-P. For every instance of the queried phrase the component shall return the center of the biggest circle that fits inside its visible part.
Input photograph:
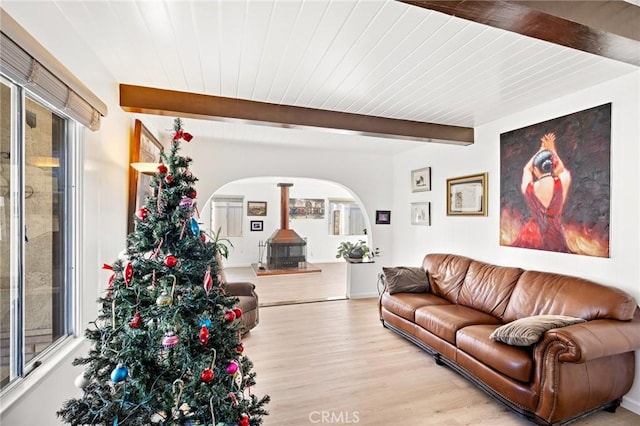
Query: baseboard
(363, 295)
(631, 405)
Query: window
(226, 215)
(36, 217)
(346, 218)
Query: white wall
(221, 162)
(321, 247)
(478, 237)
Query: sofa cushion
(488, 287)
(445, 320)
(527, 331)
(540, 293)
(405, 304)
(446, 273)
(406, 279)
(514, 361)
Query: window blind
(28, 64)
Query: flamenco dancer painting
(555, 184)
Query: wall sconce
(146, 168)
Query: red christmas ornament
(128, 273)
(229, 316)
(207, 282)
(168, 178)
(135, 321)
(207, 375)
(204, 335)
(244, 420)
(183, 135)
(170, 261)
(240, 348)
(142, 213)
(203, 237)
(238, 312)
(192, 193)
(162, 169)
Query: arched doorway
(247, 212)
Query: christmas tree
(166, 348)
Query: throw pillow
(406, 279)
(527, 331)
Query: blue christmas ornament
(206, 322)
(119, 373)
(194, 227)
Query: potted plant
(357, 250)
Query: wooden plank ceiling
(460, 67)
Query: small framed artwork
(146, 148)
(256, 225)
(256, 208)
(467, 195)
(421, 180)
(421, 214)
(305, 208)
(383, 217)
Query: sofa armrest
(240, 289)
(593, 339)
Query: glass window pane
(5, 235)
(220, 218)
(235, 219)
(44, 289)
(227, 216)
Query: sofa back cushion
(488, 288)
(446, 274)
(541, 293)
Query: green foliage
(357, 250)
(222, 244)
(164, 384)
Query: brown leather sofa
(570, 372)
(247, 302)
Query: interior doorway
(247, 212)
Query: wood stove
(285, 248)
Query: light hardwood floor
(333, 363)
(329, 284)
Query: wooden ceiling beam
(606, 28)
(149, 100)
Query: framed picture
(256, 225)
(256, 208)
(421, 214)
(383, 217)
(467, 195)
(421, 180)
(144, 147)
(580, 195)
(305, 208)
